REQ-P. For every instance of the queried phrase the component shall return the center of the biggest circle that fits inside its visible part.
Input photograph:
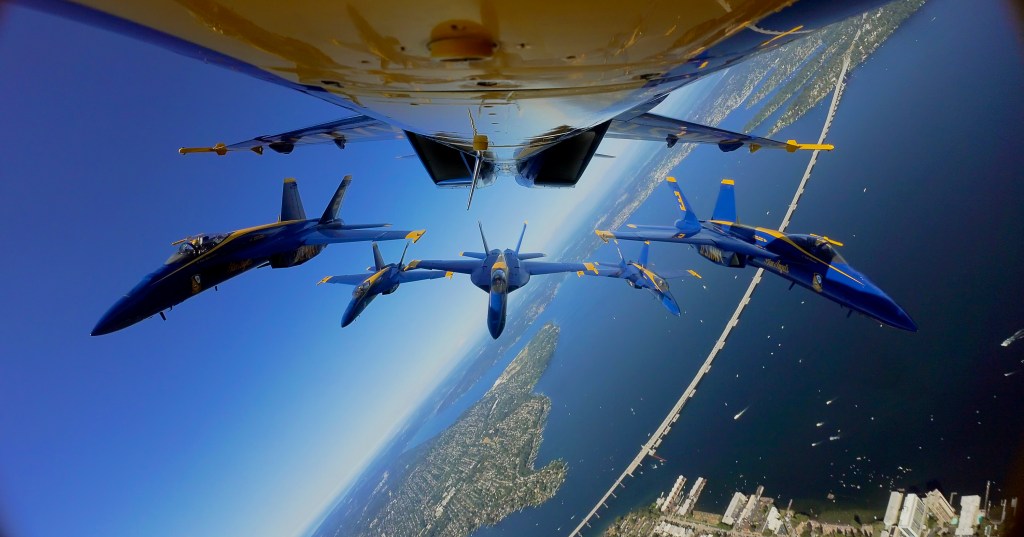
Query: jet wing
(655, 128)
(671, 274)
(333, 236)
(545, 267)
(672, 234)
(347, 279)
(646, 233)
(462, 266)
(407, 276)
(340, 132)
(612, 270)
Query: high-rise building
(912, 516)
(735, 505)
(939, 508)
(892, 512)
(673, 496)
(969, 506)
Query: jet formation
(480, 91)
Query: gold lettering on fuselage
(711, 252)
(781, 268)
(239, 266)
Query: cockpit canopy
(499, 281)
(195, 245)
(360, 290)
(819, 247)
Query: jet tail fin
(334, 207)
(688, 224)
(482, 237)
(725, 207)
(645, 252)
(378, 260)
(521, 235)
(291, 203)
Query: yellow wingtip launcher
(220, 149)
(792, 146)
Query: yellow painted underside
(372, 49)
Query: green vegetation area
(479, 470)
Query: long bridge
(650, 447)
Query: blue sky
(249, 408)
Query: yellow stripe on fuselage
(782, 236)
(234, 235)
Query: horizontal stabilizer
(531, 255)
(347, 279)
(474, 255)
(334, 236)
(649, 233)
(672, 274)
(725, 207)
(357, 226)
(291, 203)
(544, 267)
(462, 266)
(420, 275)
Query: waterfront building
(939, 508)
(892, 512)
(732, 511)
(912, 517)
(673, 495)
(774, 521)
(969, 506)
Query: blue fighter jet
(205, 260)
(383, 279)
(498, 273)
(810, 261)
(640, 275)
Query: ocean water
(924, 190)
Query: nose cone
(888, 311)
(351, 312)
(870, 299)
(119, 316)
(496, 313)
(670, 304)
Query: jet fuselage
(808, 261)
(197, 267)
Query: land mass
(479, 470)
